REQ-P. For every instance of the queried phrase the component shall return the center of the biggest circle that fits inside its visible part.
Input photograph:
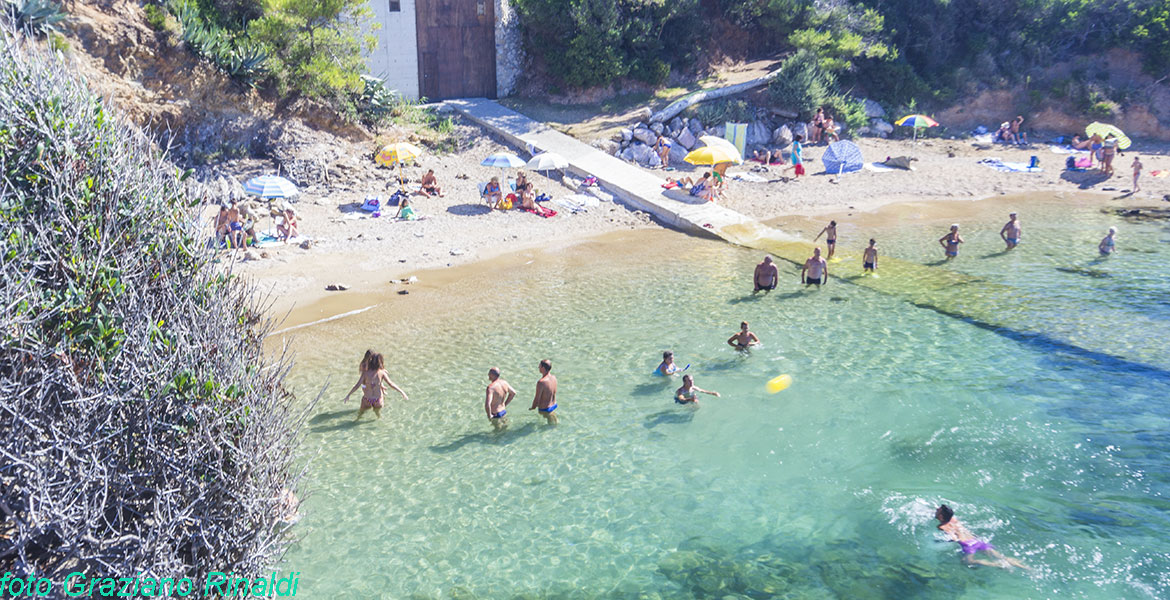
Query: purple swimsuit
(973, 546)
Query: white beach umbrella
(270, 186)
(714, 140)
(503, 160)
(547, 161)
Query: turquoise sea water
(825, 490)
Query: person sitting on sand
(830, 233)
(769, 157)
(1137, 172)
(689, 392)
(1019, 136)
(1078, 144)
(1011, 231)
(521, 180)
(527, 197)
(430, 185)
(405, 211)
(235, 226)
(1108, 244)
(492, 193)
(971, 545)
(222, 227)
(869, 257)
(1003, 134)
(667, 366)
(743, 339)
(950, 242)
(373, 376)
(499, 395)
(766, 276)
(815, 270)
(545, 401)
(830, 130)
(288, 225)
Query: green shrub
(802, 86)
(58, 42)
(1104, 109)
(39, 17)
(133, 371)
(651, 70)
(848, 110)
(722, 111)
(156, 17)
(239, 58)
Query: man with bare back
(499, 395)
(545, 401)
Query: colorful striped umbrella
(916, 121)
(1105, 129)
(503, 160)
(270, 186)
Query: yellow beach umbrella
(712, 155)
(396, 154)
(1105, 129)
(714, 140)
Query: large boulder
(607, 146)
(627, 154)
(758, 134)
(656, 128)
(695, 126)
(782, 136)
(642, 114)
(654, 161)
(677, 123)
(801, 129)
(646, 136)
(640, 153)
(686, 139)
(627, 134)
(677, 153)
(873, 110)
(881, 127)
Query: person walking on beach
(869, 257)
(766, 276)
(667, 366)
(1108, 245)
(1137, 172)
(830, 233)
(744, 338)
(545, 401)
(797, 156)
(689, 392)
(816, 270)
(1011, 232)
(950, 242)
(499, 395)
(970, 544)
(373, 376)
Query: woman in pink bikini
(373, 375)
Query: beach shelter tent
(842, 157)
(270, 186)
(1105, 129)
(736, 133)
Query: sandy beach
(372, 256)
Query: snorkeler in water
(970, 544)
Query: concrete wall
(396, 57)
(509, 51)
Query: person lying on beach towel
(541, 211)
(769, 157)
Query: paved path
(1012, 312)
(634, 185)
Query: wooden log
(702, 96)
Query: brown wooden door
(456, 48)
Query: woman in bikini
(950, 242)
(970, 544)
(818, 125)
(373, 376)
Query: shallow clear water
(824, 490)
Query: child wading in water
(373, 375)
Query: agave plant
(37, 16)
(246, 63)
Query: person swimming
(667, 366)
(971, 545)
(743, 339)
(689, 392)
(1108, 245)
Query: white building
(441, 49)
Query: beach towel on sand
(541, 211)
(1009, 167)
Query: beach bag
(542, 197)
(396, 199)
(1070, 163)
(1034, 162)
(372, 203)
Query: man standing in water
(499, 395)
(767, 275)
(830, 233)
(743, 339)
(545, 401)
(869, 257)
(816, 269)
(1011, 232)
(970, 544)
(950, 242)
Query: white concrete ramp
(633, 185)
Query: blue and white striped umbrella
(270, 186)
(842, 157)
(503, 160)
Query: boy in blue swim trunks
(969, 544)
(499, 395)
(1011, 232)
(545, 401)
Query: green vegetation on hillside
(894, 50)
(143, 428)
